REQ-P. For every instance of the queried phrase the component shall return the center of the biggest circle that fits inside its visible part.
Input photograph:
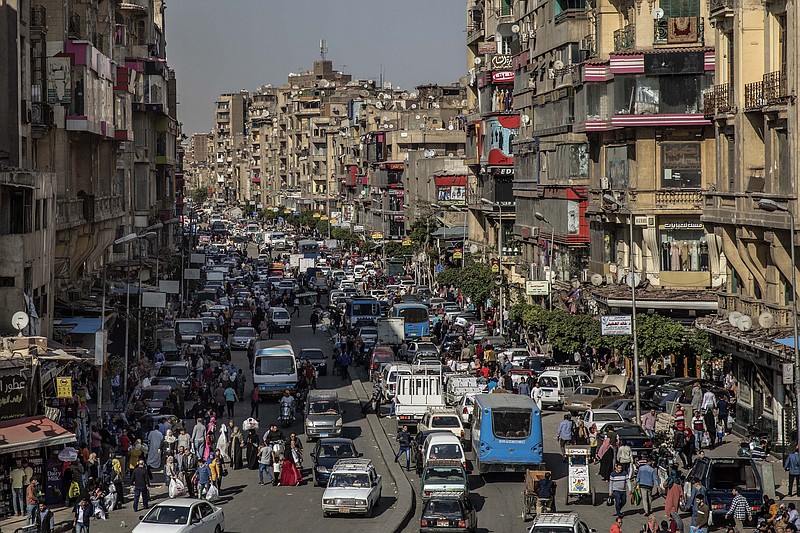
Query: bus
(361, 312)
(308, 248)
(506, 433)
(416, 319)
(274, 367)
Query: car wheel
(370, 511)
(326, 514)
(217, 529)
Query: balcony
(694, 33)
(754, 98)
(679, 199)
(718, 99)
(474, 32)
(39, 19)
(722, 8)
(74, 26)
(775, 88)
(589, 45)
(625, 39)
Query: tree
(421, 230)
(347, 239)
(477, 282)
(396, 249)
(449, 276)
(199, 195)
(658, 337)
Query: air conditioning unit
(551, 73)
(604, 184)
(523, 37)
(586, 44)
(531, 83)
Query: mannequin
(676, 256)
(502, 100)
(694, 256)
(703, 254)
(509, 101)
(665, 263)
(685, 256)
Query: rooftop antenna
(323, 49)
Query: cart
(579, 479)
(531, 505)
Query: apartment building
(232, 147)
(751, 207)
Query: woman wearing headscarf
(170, 469)
(222, 443)
(134, 455)
(116, 479)
(169, 447)
(606, 456)
(208, 448)
(251, 444)
(216, 468)
(594, 437)
(290, 474)
(296, 451)
(237, 443)
(673, 500)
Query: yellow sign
(323, 218)
(377, 235)
(334, 221)
(316, 215)
(406, 241)
(458, 254)
(495, 266)
(64, 387)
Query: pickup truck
(414, 395)
(391, 331)
(719, 476)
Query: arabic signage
(615, 325)
(458, 253)
(487, 47)
(13, 393)
(63, 387)
(502, 62)
(503, 76)
(377, 235)
(537, 288)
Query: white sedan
(601, 417)
(182, 515)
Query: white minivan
(281, 318)
(559, 383)
(389, 374)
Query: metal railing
(720, 5)
(718, 99)
(774, 87)
(38, 17)
(754, 96)
(74, 25)
(625, 39)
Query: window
(511, 424)
(781, 158)
(680, 165)
(617, 166)
(680, 8)
(505, 8)
(683, 249)
(273, 365)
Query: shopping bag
(636, 496)
(176, 488)
(213, 493)
(74, 490)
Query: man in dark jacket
(83, 512)
(44, 519)
(141, 484)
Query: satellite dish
(525, 119)
(515, 28)
(745, 323)
(632, 280)
(558, 64)
(324, 83)
(20, 321)
(734, 317)
(473, 248)
(657, 13)
(412, 95)
(387, 96)
(597, 280)
(766, 320)
(404, 96)
(477, 61)
(378, 104)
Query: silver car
(182, 515)
(242, 338)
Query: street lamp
(540, 217)
(770, 206)
(610, 199)
(499, 250)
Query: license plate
(442, 523)
(344, 509)
(323, 434)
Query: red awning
(30, 433)
(447, 181)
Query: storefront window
(683, 247)
(680, 165)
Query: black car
(416, 446)
(649, 384)
(447, 512)
(631, 434)
(327, 452)
(720, 475)
(316, 357)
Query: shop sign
(502, 62)
(495, 266)
(787, 370)
(503, 76)
(683, 225)
(406, 241)
(63, 387)
(458, 253)
(13, 393)
(487, 47)
(395, 166)
(52, 482)
(537, 288)
(316, 215)
(640, 220)
(377, 235)
(616, 325)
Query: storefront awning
(30, 433)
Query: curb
(406, 499)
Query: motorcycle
(286, 414)
(755, 434)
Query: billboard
(498, 137)
(616, 325)
(451, 190)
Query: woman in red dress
(290, 474)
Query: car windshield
(189, 328)
(426, 347)
(323, 407)
(589, 391)
(343, 480)
(548, 381)
(336, 450)
(155, 395)
(173, 371)
(445, 422)
(366, 309)
(443, 509)
(167, 514)
(370, 332)
(629, 431)
(313, 355)
(280, 315)
(649, 381)
(274, 364)
(511, 424)
(382, 357)
(241, 314)
(213, 338)
(607, 417)
(245, 332)
(553, 529)
(440, 474)
(445, 451)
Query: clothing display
(683, 251)
(675, 258)
(685, 255)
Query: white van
(388, 379)
(457, 385)
(442, 446)
(274, 367)
(186, 329)
(559, 383)
(281, 318)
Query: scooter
(286, 414)
(754, 437)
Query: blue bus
(361, 312)
(506, 433)
(309, 248)
(416, 319)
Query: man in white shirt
(536, 395)
(709, 400)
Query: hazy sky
(224, 46)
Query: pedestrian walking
(82, 512)
(404, 440)
(44, 519)
(565, 434)
(203, 477)
(703, 515)
(141, 486)
(616, 527)
(792, 466)
(619, 485)
(199, 437)
(230, 399)
(739, 510)
(314, 319)
(296, 306)
(264, 463)
(255, 399)
(646, 480)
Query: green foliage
(347, 239)
(477, 282)
(421, 229)
(396, 249)
(449, 276)
(199, 195)
(659, 337)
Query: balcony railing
(625, 39)
(754, 96)
(676, 198)
(720, 6)
(718, 99)
(774, 87)
(74, 25)
(38, 17)
(661, 32)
